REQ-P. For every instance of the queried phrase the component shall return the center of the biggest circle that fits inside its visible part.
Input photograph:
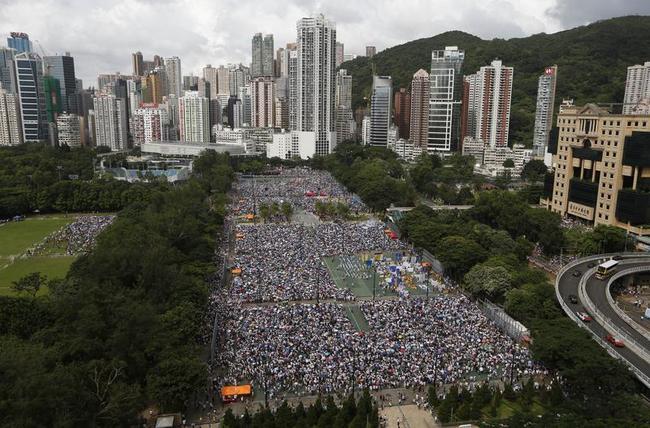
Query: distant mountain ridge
(592, 64)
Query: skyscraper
(262, 51)
(174, 77)
(190, 82)
(210, 76)
(149, 124)
(637, 86)
(68, 128)
(53, 103)
(31, 93)
(262, 99)
(281, 113)
(246, 104)
(20, 42)
(10, 129)
(194, 118)
(380, 110)
(61, 67)
(470, 106)
(223, 80)
(234, 112)
(419, 126)
(292, 66)
(280, 59)
(7, 70)
(544, 111)
(153, 90)
(239, 76)
(445, 91)
(138, 63)
(345, 125)
(110, 122)
(403, 112)
(371, 51)
(340, 54)
(316, 40)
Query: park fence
(505, 322)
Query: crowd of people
(281, 262)
(310, 348)
(78, 237)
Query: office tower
(246, 105)
(403, 112)
(280, 62)
(194, 118)
(174, 83)
(61, 67)
(419, 126)
(490, 96)
(282, 113)
(31, 94)
(601, 168)
(292, 68)
(149, 124)
(256, 49)
(544, 111)
(20, 42)
(470, 106)
(316, 80)
(262, 102)
(210, 76)
(190, 82)
(340, 54)
(110, 122)
(7, 70)
(637, 86)
(344, 125)
(10, 129)
(262, 50)
(267, 55)
(223, 80)
(343, 95)
(138, 64)
(380, 110)
(445, 92)
(371, 51)
(68, 128)
(234, 112)
(52, 90)
(239, 76)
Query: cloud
(102, 35)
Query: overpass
(594, 297)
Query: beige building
(601, 167)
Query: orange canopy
(249, 216)
(236, 271)
(236, 390)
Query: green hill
(592, 62)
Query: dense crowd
(77, 237)
(285, 261)
(307, 348)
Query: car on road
(573, 298)
(614, 341)
(576, 273)
(617, 258)
(584, 317)
(590, 265)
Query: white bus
(606, 269)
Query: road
(568, 283)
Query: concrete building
(149, 124)
(289, 145)
(174, 77)
(371, 51)
(234, 112)
(210, 76)
(246, 105)
(153, 89)
(470, 106)
(601, 167)
(262, 102)
(365, 130)
(20, 42)
(292, 66)
(340, 54)
(223, 80)
(239, 76)
(544, 113)
(419, 126)
(637, 87)
(380, 110)
(7, 70)
(402, 117)
(105, 79)
(349, 57)
(10, 128)
(406, 149)
(489, 160)
(445, 92)
(282, 113)
(68, 126)
(61, 67)
(345, 125)
(190, 83)
(138, 63)
(31, 96)
(194, 118)
(316, 39)
(262, 52)
(110, 122)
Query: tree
(264, 212)
(458, 254)
(287, 210)
(488, 281)
(30, 283)
(534, 171)
(508, 163)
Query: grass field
(18, 236)
(51, 267)
(355, 315)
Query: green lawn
(16, 237)
(52, 267)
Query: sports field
(17, 237)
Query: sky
(101, 35)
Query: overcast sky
(101, 35)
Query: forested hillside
(592, 62)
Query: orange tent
(236, 271)
(231, 392)
(249, 216)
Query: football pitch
(17, 236)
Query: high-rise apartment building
(110, 122)
(316, 39)
(263, 102)
(61, 67)
(174, 79)
(246, 105)
(149, 124)
(68, 127)
(602, 168)
(280, 62)
(445, 92)
(190, 82)
(292, 67)
(403, 112)
(419, 124)
(10, 130)
(234, 112)
(637, 87)
(470, 107)
(371, 51)
(262, 51)
(239, 76)
(7, 70)
(138, 64)
(544, 111)
(105, 79)
(31, 94)
(380, 110)
(210, 76)
(345, 125)
(153, 89)
(223, 80)
(20, 42)
(340, 54)
(282, 113)
(343, 96)
(194, 118)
